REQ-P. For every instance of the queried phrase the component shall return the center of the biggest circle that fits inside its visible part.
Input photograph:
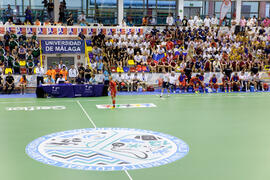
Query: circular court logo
(107, 149)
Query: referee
(39, 73)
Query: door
(54, 61)
(191, 11)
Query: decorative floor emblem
(107, 149)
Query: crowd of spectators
(185, 45)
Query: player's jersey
(194, 80)
(213, 80)
(165, 77)
(225, 79)
(112, 85)
(201, 78)
(182, 78)
(172, 79)
(235, 78)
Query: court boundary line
(89, 118)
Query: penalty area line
(89, 118)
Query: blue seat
(126, 69)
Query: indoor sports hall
(134, 89)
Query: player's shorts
(113, 93)
(183, 83)
(165, 85)
(172, 86)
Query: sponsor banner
(62, 46)
(225, 7)
(35, 108)
(64, 31)
(125, 106)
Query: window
(250, 9)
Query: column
(238, 9)
(211, 8)
(120, 11)
(180, 8)
(262, 9)
(56, 10)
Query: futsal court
(227, 134)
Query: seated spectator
(37, 22)
(30, 66)
(1, 83)
(93, 79)
(16, 66)
(22, 84)
(49, 80)
(9, 86)
(61, 79)
(81, 17)
(47, 22)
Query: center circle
(107, 149)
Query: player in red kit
(113, 89)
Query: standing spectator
(9, 86)
(169, 20)
(243, 23)
(8, 14)
(72, 73)
(185, 21)
(214, 21)
(191, 22)
(81, 17)
(178, 21)
(28, 15)
(64, 72)
(62, 9)
(207, 21)
(152, 20)
(61, 65)
(23, 83)
(87, 73)
(50, 8)
(70, 20)
(123, 23)
(39, 73)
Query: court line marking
(177, 96)
(130, 178)
(89, 118)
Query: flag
(18, 30)
(123, 31)
(225, 7)
(61, 31)
(141, 30)
(29, 30)
(72, 31)
(52, 31)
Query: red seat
(23, 70)
(113, 69)
(132, 69)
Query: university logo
(107, 149)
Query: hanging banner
(63, 46)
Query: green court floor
(228, 135)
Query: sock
(113, 102)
